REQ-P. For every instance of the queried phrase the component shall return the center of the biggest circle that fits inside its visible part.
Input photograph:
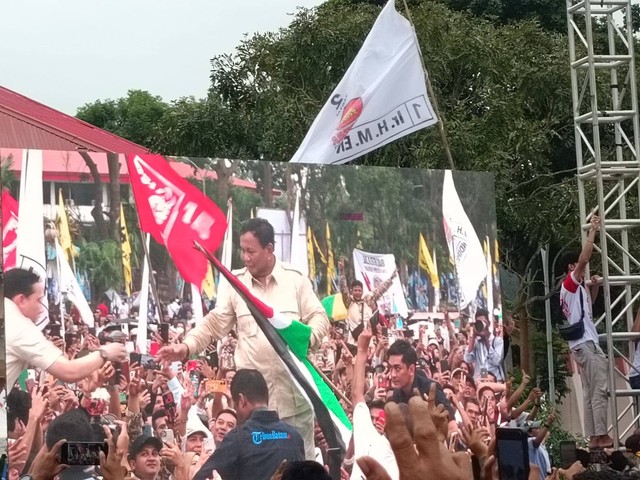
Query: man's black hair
(481, 312)
(19, 281)
(356, 283)
(307, 469)
(261, 229)
(404, 348)
(251, 384)
(161, 412)
(18, 406)
(568, 259)
(74, 426)
(229, 411)
(376, 404)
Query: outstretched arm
(587, 249)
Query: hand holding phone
(82, 453)
(513, 453)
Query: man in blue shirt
(256, 448)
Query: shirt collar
(276, 275)
(12, 309)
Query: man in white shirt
(367, 440)
(27, 346)
(576, 301)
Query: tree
(133, 117)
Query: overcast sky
(65, 53)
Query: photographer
(484, 350)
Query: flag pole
(152, 278)
(331, 385)
(441, 123)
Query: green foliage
(7, 176)
(134, 117)
(103, 263)
(561, 372)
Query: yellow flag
(209, 285)
(496, 257)
(426, 263)
(126, 252)
(63, 228)
(311, 255)
(315, 242)
(331, 266)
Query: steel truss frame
(605, 112)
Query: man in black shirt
(405, 377)
(256, 448)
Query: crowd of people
(212, 400)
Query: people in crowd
(360, 307)
(256, 448)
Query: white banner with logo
(382, 97)
(373, 269)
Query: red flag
(175, 213)
(9, 230)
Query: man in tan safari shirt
(286, 290)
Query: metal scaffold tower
(605, 111)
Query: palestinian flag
(335, 307)
(290, 339)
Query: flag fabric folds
(9, 230)
(382, 97)
(63, 230)
(126, 252)
(70, 288)
(427, 264)
(290, 339)
(331, 265)
(335, 307)
(463, 242)
(175, 213)
(311, 255)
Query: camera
(478, 326)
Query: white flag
(464, 246)
(382, 97)
(30, 249)
(143, 308)
(299, 241)
(70, 288)
(227, 242)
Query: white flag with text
(382, 97)
(464, 245)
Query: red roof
(25, 123)
(70, 167)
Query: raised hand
(476, 440)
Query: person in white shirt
(27, 346)
(576, 301)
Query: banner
(31, 252)
(175, 213)
(463, 242)
(373, 269)
(9, 230)
(382, 97)
(331, 265)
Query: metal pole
(432, 96)
(544, 252)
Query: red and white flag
(9, 230)
(176, 214)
